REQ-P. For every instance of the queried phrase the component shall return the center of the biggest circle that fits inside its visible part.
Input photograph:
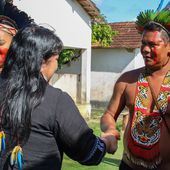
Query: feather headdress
(159, 17)
(20, 18)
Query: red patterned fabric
(145, 131)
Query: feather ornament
(17, 157)
(160, 6)
(2, 141)
(162, 18)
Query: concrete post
(85, 84)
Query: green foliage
(68, 55)
(102, 34)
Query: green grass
(109, 162)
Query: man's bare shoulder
(131, 76)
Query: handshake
(110, 138)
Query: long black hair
(24, 83)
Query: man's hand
(110, 138)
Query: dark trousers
(124, 166)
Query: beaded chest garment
(145, 131)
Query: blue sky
(125, 10)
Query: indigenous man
(146, 93)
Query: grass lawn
(109, 162)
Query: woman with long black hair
(39, 121)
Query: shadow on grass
(111, 161)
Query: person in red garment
(11, 19)
(146, 93)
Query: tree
(102, 33)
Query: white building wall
(73, 25)
(71, 22)
(139, 62)
(107, 66)
(68, 78)
(68, 82)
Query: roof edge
(90, 8)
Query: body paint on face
(155, 56)
(3, 53)
(154, 51)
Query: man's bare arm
(115, 107)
